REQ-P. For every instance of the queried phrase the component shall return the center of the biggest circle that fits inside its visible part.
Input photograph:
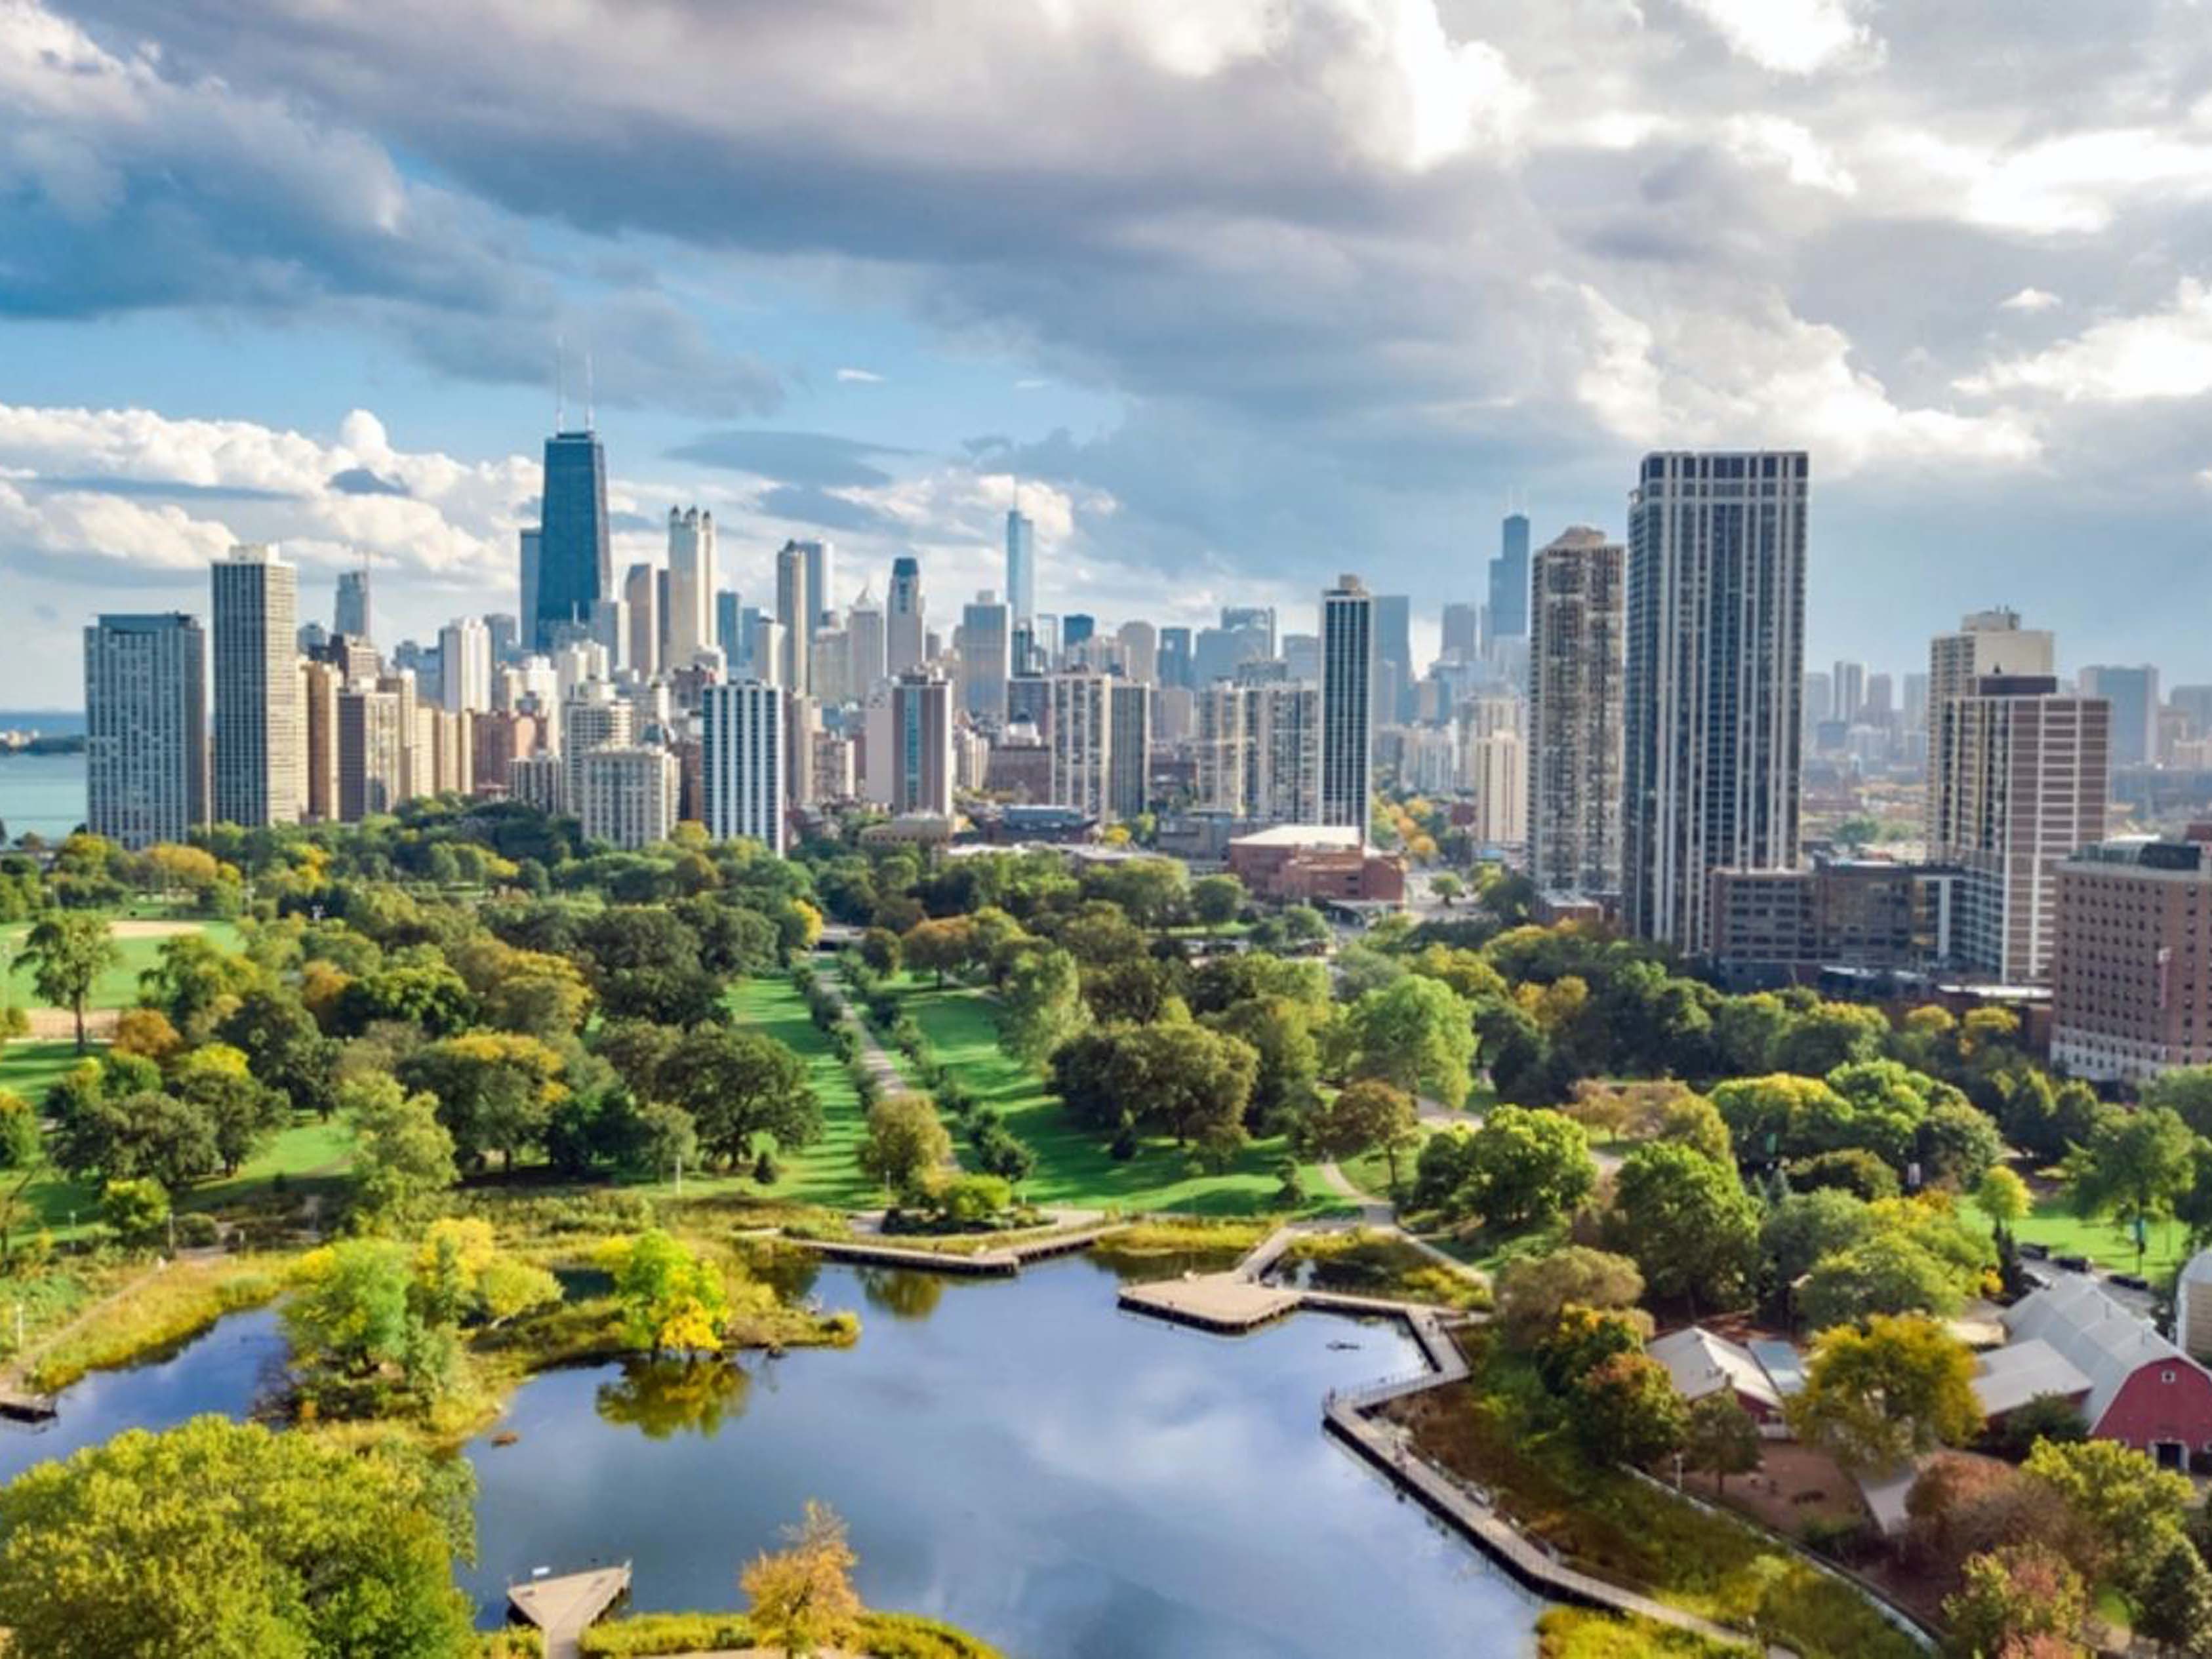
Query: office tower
(1394, 658)
(906, 646)
(1140, 652)
(822, 579)
(464, 663)
(532, 544)
(1463, 635)
(921, 738)
(796, 603)
(1577, 659)
(1302, 656)
(690, 623)
(613, 631)
(833, 668)
(1128, 768)
(592, 718)
(575, 555)
(1509, 580)
(1881, 704)
(1075, 628)
(802, 720)
(2026, 775)
(1712, 735)
(867, 645)
(502, 629)
(372, 763)
(319, 686)
(764, 649)
(314, 639)
(729, 625)
(1218, 652)
(1497, 774)
(986, 658)
(351, 614)
(145, 728)
(1174, 657)
(1081, 733)
(1986, 643)
(626, 797)
(260, 759)
(1259, 619)
(1819, 699)
(2133, 694)
(1847, 682)
(1021, 565)
(1915, 702)
(1347, 678)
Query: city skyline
(834, 362)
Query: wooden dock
(19, 1405)
(1225, 1304)
(562, 1608)
(1000, 1261)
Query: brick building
(1307, 862)
(2131, 974)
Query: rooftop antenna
(591, 394)
(560, 382)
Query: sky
(1238, 295)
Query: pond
(1018, 1457)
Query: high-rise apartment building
(867, 650)
(1847, 683)
(371, 751)
(575, 553)
(1497, 776)
(1347, 678)
(260, 750)
(592, 718)
(464, 665)
(626, 796)
(921, 740)
(1021, 565)
(1081, 734)
(1221, 747)
(1986, 643)
(1578, 667)
(797, 600)
(1509, 580)
(691, 578)
(985, 657)
(1128, 770)
(2025, 777)
(352, 614)
(641, 652)
(145, 724)
(2131, 970)
(319, 686)
(906, 640)
(743, 761)
(1715, 673)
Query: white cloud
(859, 376)
(1772, 140)
(2162, 354)
(2029, 299)
(1794, 37)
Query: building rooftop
(2101, 1338)
(1702, 1364)
(2007, 1378)
(1303, 834)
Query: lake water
(41, 793)
(1017, 1456)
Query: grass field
(1074, 1169)
(824, 1173)
(2064, 1233)
(118, 987)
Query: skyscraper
(145, 724)
(796, 603)
(1509, 580)
(2133, 694)
(1175, 657)
(1347, 677)
(865, 649)
(575, 555)
(1462, 633)
(691, 620)
(1255, 618)
(820, 580)
(1081, 725)
(905, 636)
(464, 665)
(1394, 657)
(260, 750)
(532, 544)
(1128, 772)
(1986, 642)
(920, 736)
(729, 625)
(1021, 565)
(1847, 682)
(985, 657)
(640, 653)
(1576, 661)
(1716, 666)
(351, 615)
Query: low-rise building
(1311, 862)
(1783, 927)
(1702, 1362)
(2142, 1391)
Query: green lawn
(118, 987)
(1074, 1169)
(2109, 1246)
(825, 1173)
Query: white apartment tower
(743, 761)
(796, 602)
(145, 708)
(260, 746)
(1715, 678)
(1985, 643)
(1081, 723)
(1577, 662)
(626, 797)
(464, 665)
(690, 623)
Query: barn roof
(1702, 1364)
(2095, 1334)
(2008, 1378)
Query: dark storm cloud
(803, 504)
(364, 480)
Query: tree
(1368, 1115)
(1805, 1227)
(1415, 1033)
(2011, 1597)
(270, 1544)
(2121, 1497)
(1447, 887)
(1216, 900)
(2045, 1417)
(1525, 1168)
(496, 1091)
(2002, 1196)
(939, 946)
(802, 1595)
(1041, 1003)
(671, 1300)
(243, 1114)
(1280, 1029)
(738, 1087)
(1534, 1291)
(2135, 1167)
(403, 1161)
(2173, 1596)
(1877, 1395)
(1626, 1408)
(1720, 1438)
(1883, 1273)
(879, 950)
(348, 1317)
(137, 1210)
(102, 1130)
(905, 1143)
(1688, 1223)
(67, 951)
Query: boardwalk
(999, 1262)
(562, 1608)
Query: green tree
(1368, 1115)
(348, 1315)
(269, 1546)
(1280, 1029)
(1527, 1168)
(496, 1091)
(738, 1087)
(2173, 1596)
(673, 1301)
(137, 1210)
(2135, 1168)
(1534, 1291)
(67, 951)
(2120, 1495)
(1805, 1227)
(1877, 1395)
(2012, 1598)
(802, 1595)
(1216, 901)
(1688, 1223)
(1883, 1273)
(1040, 1004)
(1416, 1033)
(403, 1161)
(1626, 1408)
(905, 1143)
(1720, 1438)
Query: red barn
(2144, 1392)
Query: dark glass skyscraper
(1509, 580)
(575, 556)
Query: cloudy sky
(1242, 293)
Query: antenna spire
(560, 382)
(591, 395)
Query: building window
(2165, 1377)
